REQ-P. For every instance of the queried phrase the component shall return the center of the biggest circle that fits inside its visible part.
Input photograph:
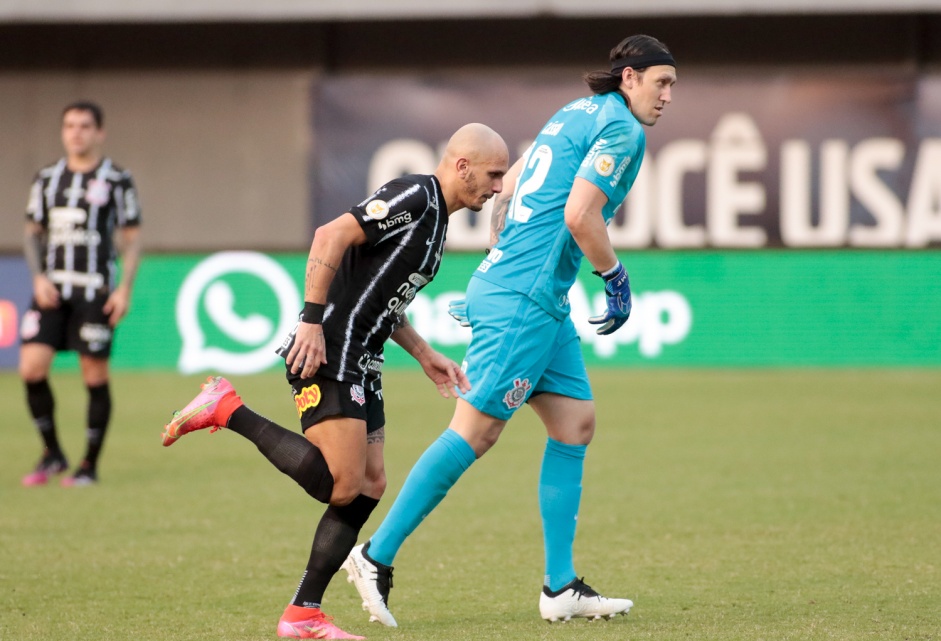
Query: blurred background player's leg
(35, 362)
(95, 375)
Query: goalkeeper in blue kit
(554, 209)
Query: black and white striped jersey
(405, 222)
(79, 213)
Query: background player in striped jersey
(81, 210)
(555, 206)
(363, 270)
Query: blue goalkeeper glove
(617, 286)
(458, 311)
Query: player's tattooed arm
(330, 243)
(501, 204)
(44, 291)
(315, 262)
(33, 248)
(129, 243)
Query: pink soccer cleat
(201, 412)
(317, 626)
(47, 467)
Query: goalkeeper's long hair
(601, 82)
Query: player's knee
(341, 496)
(587, 432)
(481, 436)
(485, 441)
(94, 371)
(95, 381)
(345, 489)
(577, 431)
(584, 429)
(27, 374)
(31, 373)
(375, 483)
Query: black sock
(288, 451)
(42, 407)
(99, 414)
(335, 537)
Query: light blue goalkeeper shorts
(517, 350)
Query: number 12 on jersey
(539, 160)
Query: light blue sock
(560, 494)
(433, 475)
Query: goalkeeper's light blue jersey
(595, 138)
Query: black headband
(642, 62)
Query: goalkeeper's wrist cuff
(611, 272)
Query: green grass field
(759, 505)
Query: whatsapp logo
(233, 311)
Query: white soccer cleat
(373, 580)
(578, 600)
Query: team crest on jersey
(98, 192)
(307, 398)
(358, 394)
(604, 164)
(377, 209)
(515, 397)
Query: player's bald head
(472, 167)
(474, 141)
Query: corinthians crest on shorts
(358, 394)
(514, 398)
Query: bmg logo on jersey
(232, 312)
(620, 172)
(398, 219)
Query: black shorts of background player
(363, 270)
(82, 211)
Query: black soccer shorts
(75, 325)
(318, 398)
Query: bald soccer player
(363, 270)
